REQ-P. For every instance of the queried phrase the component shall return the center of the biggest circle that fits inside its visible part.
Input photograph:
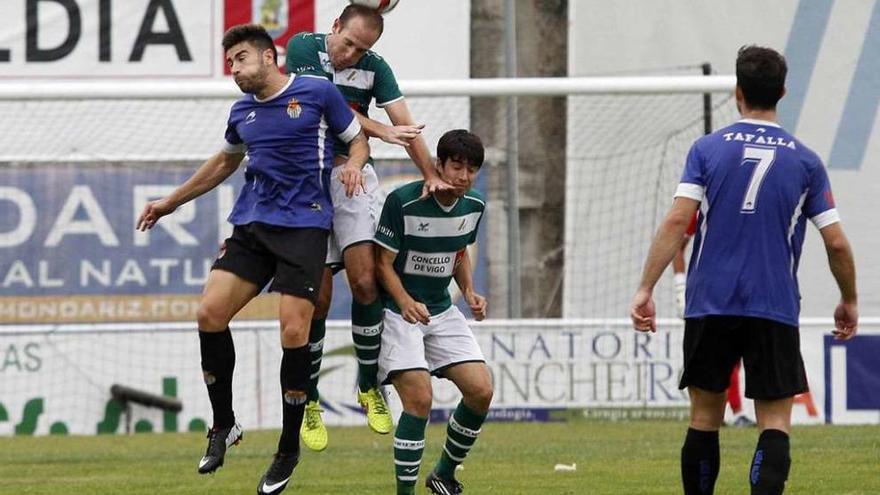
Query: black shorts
(293, 257)
(770, 352)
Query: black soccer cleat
(443, 486)
(219, 439)
(279, 472)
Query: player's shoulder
(306, 39)
(373, 61)
(243, 103)
(474, 199)
(409, 193)
(309, 82)
(809, 158)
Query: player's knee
(363, 287)
(294, 334)
(417, 402)
(211, 318)
(479, 398)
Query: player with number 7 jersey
(726, 171)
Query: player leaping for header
(344, 57)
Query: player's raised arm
(208, 176)
(400, 116)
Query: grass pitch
(639, 457)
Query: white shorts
(445, 341)
(355, 218)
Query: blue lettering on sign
(862, 374)
(859, 113)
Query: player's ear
(337, 26)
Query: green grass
(639, 457)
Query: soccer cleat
(743, 421)
(276, 477)
(442, 486)
(219, 439)
(313, 432)
(378, 415)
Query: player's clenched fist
(153, 211)
(415, 312)
(477, 303)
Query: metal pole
(707, 103)
(513, 252)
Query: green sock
(461, 433)
(409, 443)
(316, 352)
(366, 332)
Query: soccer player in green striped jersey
(421, 246)
(344, 57)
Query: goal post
(624, 146)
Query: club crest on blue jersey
(293, 108)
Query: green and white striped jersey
(429, 240)
(371, 77)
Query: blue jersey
(756, 185)
(288, 138)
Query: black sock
(294, 386)
(218, 363)
(771, 463)
(700, 461)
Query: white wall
(631, 36)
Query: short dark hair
(250, 33)
(760, 74)
(461, 145)
(371, 16)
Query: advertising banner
(69, 251)
(57, 379)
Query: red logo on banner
(281, 18)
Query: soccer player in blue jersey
(755, 186)
(281, 222)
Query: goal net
(598, 161)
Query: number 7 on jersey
(764, 157)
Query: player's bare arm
(401, 135)
(840, 260)
(410, 309)
(464, 278)
(351, 173)
(666, 243)
(398, 113)
(208, 176)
